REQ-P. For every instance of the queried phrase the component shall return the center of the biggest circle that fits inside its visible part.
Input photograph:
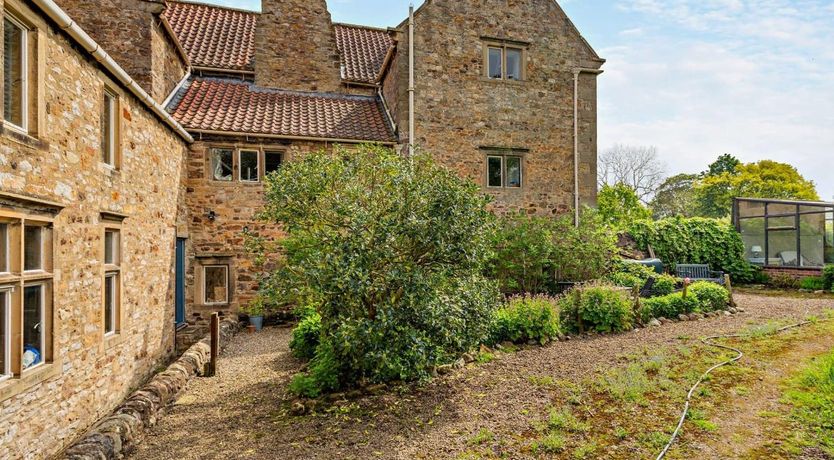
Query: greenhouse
(781, 233)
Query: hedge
(696, 240)
(523, 319)
(600, 306)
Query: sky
(697, 78)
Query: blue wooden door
(180, 289)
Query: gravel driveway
(242, 412)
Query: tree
(675, 197)
(392, 252)
(637, 167)
(619, 206)
(725, 163)
(765, 179)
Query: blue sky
(697, 78)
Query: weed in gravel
(741, 390)
(541, 380)
(621, 433)
(482, 437)
(586, 451)
(628, 384)
(654, 440)
(552, 443)
(564, 420)
(484, 358)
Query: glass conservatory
(781, 233)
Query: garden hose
(709, 341)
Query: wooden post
(215, 344)
(635, 291)
(729, 285)
(686, 282)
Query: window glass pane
(5, 343)
(33, 327)
(513, 64)
(248, 166)
(782, 250)
(812, 240)
(513, 172)
(272, 161)
(221, 165)
(33, 248)
(782, 223)
(107, 127)
(750, 209)
(4, 248)
(829, 238)
(111, 247)
(780, 209)
(13, 73)
(109, 303)
(495, 63)
(753, 236)
(494, 172)
(216, 284)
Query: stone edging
(115, 434)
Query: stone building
(138, 133)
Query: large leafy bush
(532, 253)
(695, 241)
(828, 278)
(526, 318)
(393, 250)
(710, 296)
(636, 275)
(702, 296)
(306, 337)
(597, 306)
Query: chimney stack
(295, 47)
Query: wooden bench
(698, 272)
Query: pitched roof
(215, 37)
(363, 51)
(227, 105)
(224, 38)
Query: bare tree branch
(637, 167)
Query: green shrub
(812, 283)
(664, 285)
(679, 240)
(828, 278)
(630, 275)
(533, 253)
(526, 318)
(710, 296)
(393, 249)
(601, 307)
(656, 307)
(783, 281)
(306, 337)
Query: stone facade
(462, 115)
(56, 172)
(295, 47)
(132, 33)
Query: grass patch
(564, 420)
(811, 393)
(482, 437)
(552, 443)
(541, 380)
(629, 384)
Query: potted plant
(255, 310)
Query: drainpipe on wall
(576, 200)
(411, 81)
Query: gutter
(411, 80)
(292, 138)
(176, 89)
(77, 33)
(576, 201)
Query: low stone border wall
(114, 435)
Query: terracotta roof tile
(214, 37)
(363, 51)
(224, 38)
(215, 104)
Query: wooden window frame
(210, 165)
(112, 157)
(504, 176)
(204, 291)
(503, 46)
(5, 312)
(258, 157)
(25, 69)
(112, 269)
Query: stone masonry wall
(235, 205)
(168, 66)
(91, 374)
(295, 47)
(459, 111)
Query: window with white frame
(109, 130)
(504, 171)
(248, 165)
(505, 62)
(15, 73)
(5, 332)
(112, 280)
(215, 284)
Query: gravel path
(242, 413)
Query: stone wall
(295, 47)
(235, 206)
(460, 112)
(130, 32)
(43, 410)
